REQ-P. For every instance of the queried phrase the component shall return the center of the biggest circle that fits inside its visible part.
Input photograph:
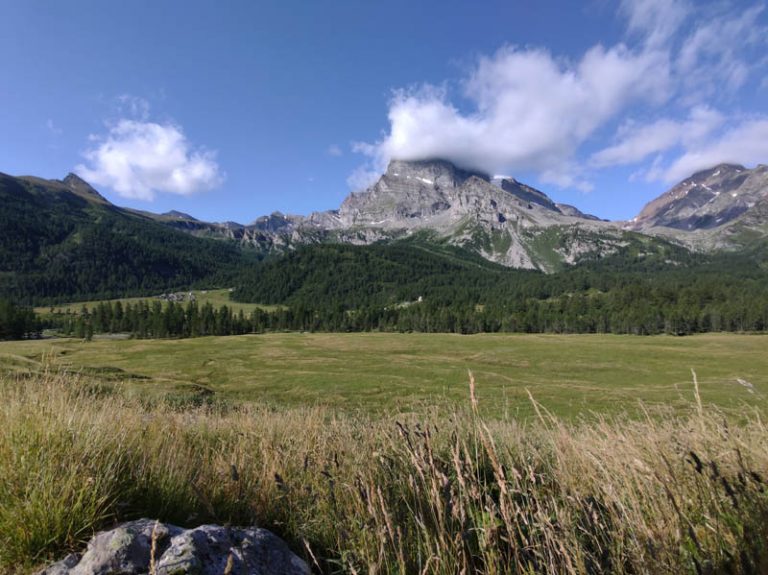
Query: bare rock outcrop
(147, 546)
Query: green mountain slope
(62, 240)
(348, 276)
(402, 271)
(409, 285)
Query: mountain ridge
(506, 222)
(501, 220)
(723, 207)
(60, 238)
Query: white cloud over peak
(679, 68)
(364, 176)
(138, 159)
(531, 111)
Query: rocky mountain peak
(411, 194)
(573, 211)
(274, 222)
(707, 199)
(76, 182)
(79, 186)
(175, 214)
(720, 170)
(439, 173)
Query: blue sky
(231, 110)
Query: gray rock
(708, 199)
(575, 212)
(501, 222)
(64, 566)
(204, 550)
(723, 208)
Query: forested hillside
(407, 287)
(58, 242)
(347, 276)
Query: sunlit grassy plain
(367, 453)
(680, 492)
(570, 375)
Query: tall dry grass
(437, 493)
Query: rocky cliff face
(506, 221)
(725, 207)
(410, 194)
(706, 200)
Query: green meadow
(376, 432)
(570, 375)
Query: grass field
(424, 493)
(216, 298)
(570, 375)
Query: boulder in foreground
(204, 550)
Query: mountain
(176, 215)
(719, 208)
(71, 184)
(569, 210)
(62, 239)
(504, 221)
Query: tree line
(17, 322)
(406, 287)
(629, 311)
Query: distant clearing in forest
(215, 297)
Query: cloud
(138, 159)
(716, 57)
(570, 176)
(53, 128)
(530, 110)
(334, 151)
(132, 107)
(363, 176)
(746, 143)
(637, 142)
(526, 109)
(655, 21)
(714, 62)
